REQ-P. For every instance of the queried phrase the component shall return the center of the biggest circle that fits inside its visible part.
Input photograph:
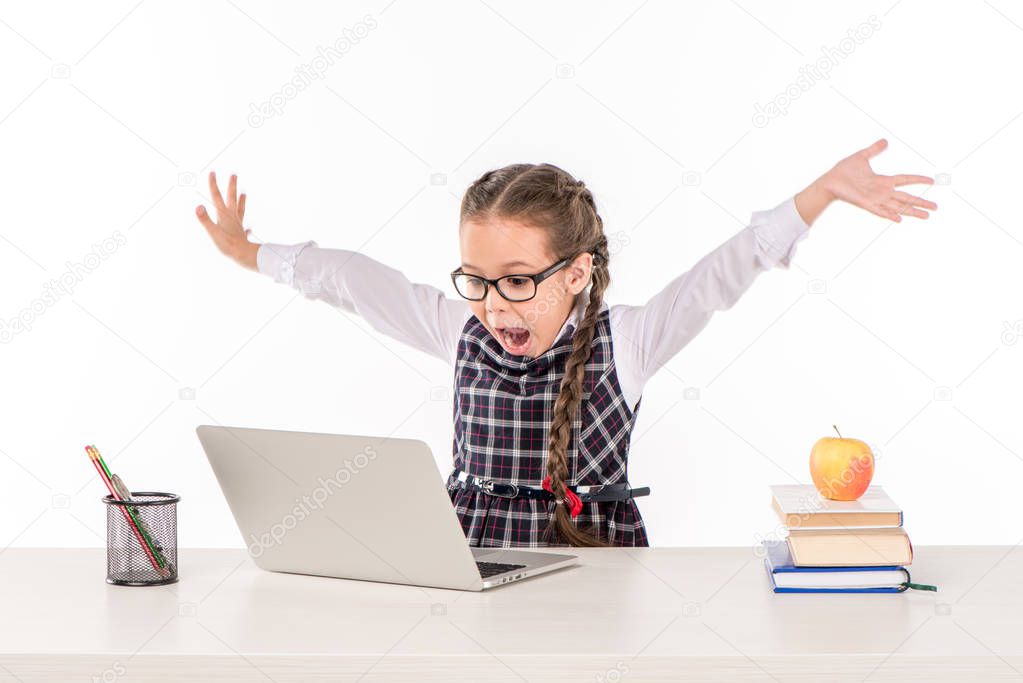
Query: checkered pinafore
(502, 414)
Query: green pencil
(122, 492)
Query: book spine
(839, 590)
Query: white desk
(622, 615)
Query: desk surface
(621, 614)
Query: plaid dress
(503, 408)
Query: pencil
(121, 492)
(128, 515)
(125, 494)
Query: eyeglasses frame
(536, 278)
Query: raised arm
(647, 336)
(415, 314)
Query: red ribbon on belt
(576, 505)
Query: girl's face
(502, 246)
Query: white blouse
(644, 337)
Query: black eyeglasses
(517, 287)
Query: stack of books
(856, 546)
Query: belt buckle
(488, 487)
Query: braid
(577, 191)
(571, 390)
(587, 197)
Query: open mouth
(515, 339)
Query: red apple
(841, 468)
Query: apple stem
(837, 432)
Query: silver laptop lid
(349, 506)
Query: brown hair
(546, 196)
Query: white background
(903, 335)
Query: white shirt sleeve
(419, 315)
(645, 337)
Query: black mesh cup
(142, 539)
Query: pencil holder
(142, 539)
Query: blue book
(788, 578)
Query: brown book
(800, 506)
(850, 547)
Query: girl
(548, 377)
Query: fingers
(232, 191)
(904, 209)
(218, 201)
(884, 210)
(915, 213)
(913, 200)
(912, 180)
(874, 149)
(241, 207)
(906, 205)
(204, 218)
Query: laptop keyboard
(490, 568)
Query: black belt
(587, 494)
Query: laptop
(354, 507)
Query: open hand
(852, 180)
(227, 232)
